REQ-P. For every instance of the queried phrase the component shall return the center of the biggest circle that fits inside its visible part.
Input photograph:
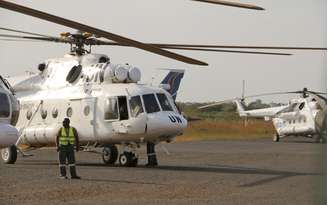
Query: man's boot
(62, 172)
(72, 170)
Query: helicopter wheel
(110, 154)
(276, 137)
(9, 155)
(128, 159)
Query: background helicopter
(9, 111)
(304, 116)
(111, 107)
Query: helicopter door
(84, 117)
(120, 125)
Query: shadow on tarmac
(219, 169)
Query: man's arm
(77, 144)
(57, 141)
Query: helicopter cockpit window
(150, 103)
(165, 104)
(111, 109)
(301, 106)
(136, 106)
(4, 106)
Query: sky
(283, 23)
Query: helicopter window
(301, 106)
(44, 113)
(55, 113)
(136, 106)
(29, 114)
(4, 106)
(111, 109)
(86, 110)
(150, 103)
(165, 104)
(69, 112)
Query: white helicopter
(104, 101)
(9, 110)
(304, 116)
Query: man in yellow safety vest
(67, 138)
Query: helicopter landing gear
(276, 137)
(128, 159)
(151, 153)
(109, 154)
(9, 155)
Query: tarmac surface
(204, 172)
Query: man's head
(66, 123)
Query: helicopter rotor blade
(243, 47)
(318, 94)
(25, 32)
(225, 51)
(98, 32)
(19, 40)
(232, 4)
(170, 46)
(52, 39)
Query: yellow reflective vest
(65, 139)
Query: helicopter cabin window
(54, 112)
(4, 106)
(301, 106)
(44, 113)
(150, 103)
(165, 104)
(69, 112)
(111, 109)
(123, 108)
(136, 106)
(29, 114)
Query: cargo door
(83, 117)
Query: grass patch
(224, 130)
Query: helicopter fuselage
(102, 107)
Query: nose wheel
(128, 159)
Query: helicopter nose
(166, 124)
